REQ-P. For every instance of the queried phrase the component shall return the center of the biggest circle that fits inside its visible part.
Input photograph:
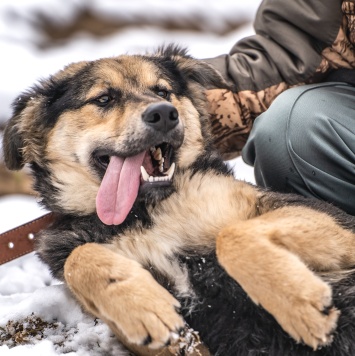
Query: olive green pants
(305, 143)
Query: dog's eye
(103, 100)
(163, 93)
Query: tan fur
(33, 144)
(193, 143)
(109, 285)
(70, 70)
(90, 128)
(273, 254)
(185, 220)
(269, 255)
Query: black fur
(231, 324)
(228, 321)
(68, 232)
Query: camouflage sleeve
(286, 51)
(233, 114)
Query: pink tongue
(119, 189)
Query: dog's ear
(197, 70)
(24, 109)
(203, 73)
(24, 134)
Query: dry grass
(22, 332)
(18, 182)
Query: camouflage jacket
(296, 42)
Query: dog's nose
(161, 116)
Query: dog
(153, 230)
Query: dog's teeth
(157, 154)
(168, 175)
(145, 175)
(170, 171)
(161, 165)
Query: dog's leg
(124, 294)
(270, 257)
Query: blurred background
(38, 37)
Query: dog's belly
(230, 324)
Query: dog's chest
(208, 281)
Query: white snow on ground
(27, 290)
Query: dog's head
(99, 134)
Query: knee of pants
(266, 148)
(305, 143)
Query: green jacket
(296, 42)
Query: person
(291, 112)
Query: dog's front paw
(309, 316)
(142, 310)
(123, 294)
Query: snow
(27, 290)
(70, 331)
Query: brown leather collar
(20, 240)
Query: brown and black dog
(153, 229)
